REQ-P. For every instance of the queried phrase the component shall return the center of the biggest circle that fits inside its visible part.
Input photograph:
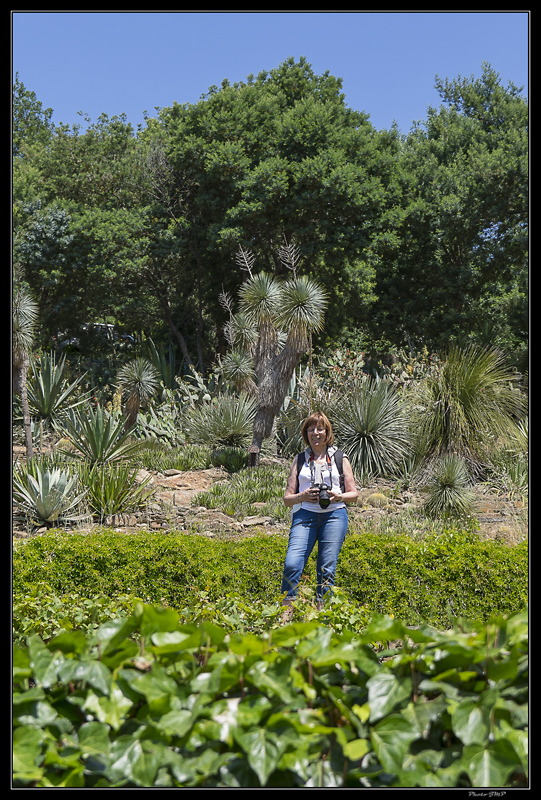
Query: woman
(310, 521)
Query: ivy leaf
(385, 691)
(262, 749)
(136, 760)
(94, 738)
(27, 753)
(471, 722)
(111, 710)
(492, 765)
(391, 738)
(44, 663)
(93, 672)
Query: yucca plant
(47, 495)
(113, 489)
(24, 320)
(238, 369)
(139, 381)
(97, 436)
(371, 425)
(279, 315)
(225, 422)
(469, 407)
(449, 489)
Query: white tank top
(305, 480)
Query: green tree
(276, 159)
(452, 256)
(31, 123)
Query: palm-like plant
(97, 436)
(139, 379)
(372, 427)
(238, 369)
(283, 313)
(24, 318)
(469, 407)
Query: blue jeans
(307, 528)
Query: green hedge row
(452, 574)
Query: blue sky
(131, 62)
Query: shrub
(112, 489)
(232, 459)
(468, 406)
(227, 421)
(452, 574)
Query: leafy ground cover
(151, 702)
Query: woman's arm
(350, 493)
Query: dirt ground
(500, 517)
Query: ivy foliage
(151, 702)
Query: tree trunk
(20, 373)
(273, 379)
(175, 331)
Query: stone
(254, 520)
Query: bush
(453, 574)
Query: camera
(324, 498)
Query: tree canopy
(417, 238)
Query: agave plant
(372, 427)
(97, 436)
(47, 495)
(449, 490)
(50, 393)
(232, 459)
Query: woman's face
(317, 434)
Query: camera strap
(313, 466)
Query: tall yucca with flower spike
(281, 315)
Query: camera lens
(324, 499)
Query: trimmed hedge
(440, 577)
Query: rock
(377, 499)
(247, 521)
(142, 475)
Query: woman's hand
(336, 497)
(310, 495)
